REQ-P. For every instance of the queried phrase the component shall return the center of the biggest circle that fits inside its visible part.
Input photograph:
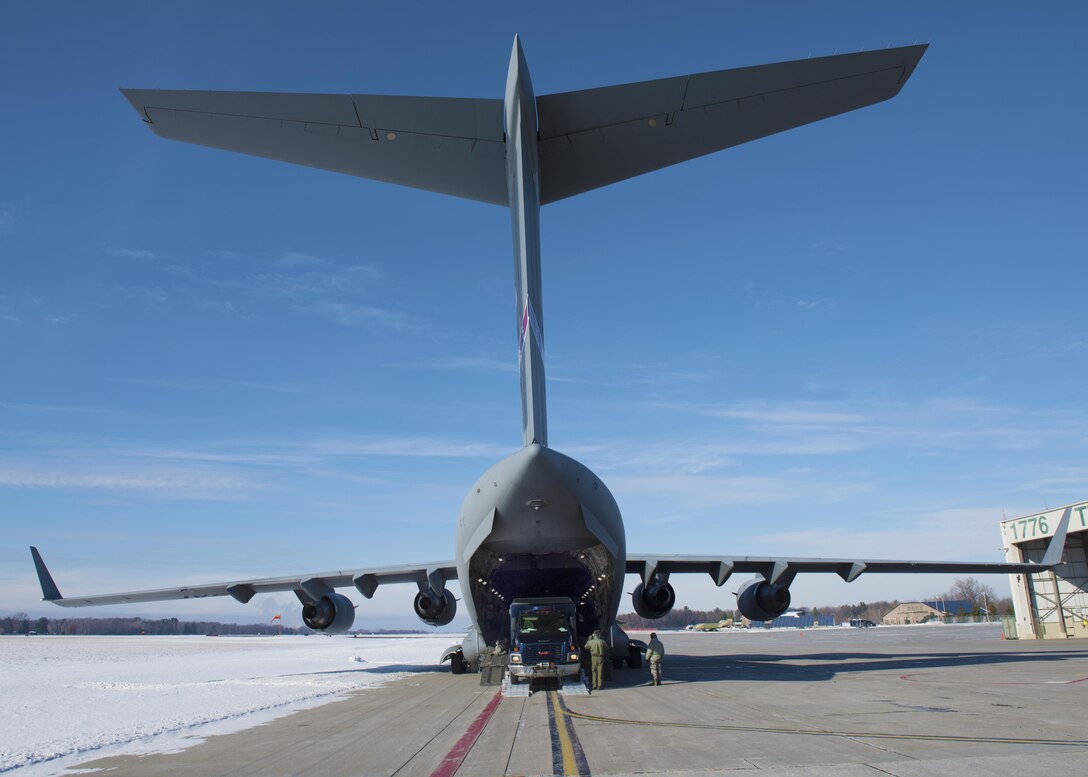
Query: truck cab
(543, 642)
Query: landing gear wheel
(634, 658)
(457, 663)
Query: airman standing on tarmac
(655, 651)
(597, 648)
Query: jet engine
(655, 601)
(759, 600)
(332, 614)
(436, 611)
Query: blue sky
(865, 337)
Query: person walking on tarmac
(655, 651)
(597, 648)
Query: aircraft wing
(595, 137)
(783, 569)
(442, 144)
(307, 587)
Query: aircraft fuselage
(539, 523)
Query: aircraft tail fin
(1053, 555)
(50, 592)
(596, 137)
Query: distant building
(912, 612)
(955, 608)
(1053, 603)
(795, 620)
(937, 610)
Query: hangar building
(1051, 604)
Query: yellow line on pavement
(566, 747)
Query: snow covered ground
(64, 700)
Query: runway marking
(844, 734)
(452, 762)
(568, 759)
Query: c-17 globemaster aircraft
(538, 523)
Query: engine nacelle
(332, 614)
(759, 600)
(655, 601)
(434, 610)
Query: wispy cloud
(300, 259)
(223, 254)
(133, 253)
(701, 492)
(312, 285)
(147, 296)
(173, 483)
(462, 363)
(223, 307)
(938, 423)
(796, 413)
(408, 446)
(167, 383)
(970, 533)
(223, 464)
(814, 304)
(350, 314)
(1064, 480)
(831, 246)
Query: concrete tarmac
(902, 701)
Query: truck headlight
(515, 658)
(573, 656)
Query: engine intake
(655, 601)
(759, 600)
(434, 610)
(332, 614)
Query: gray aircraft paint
(538, 523)
(523, 186)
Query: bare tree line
(20, 623)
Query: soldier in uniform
(655, 651)
(597, 648)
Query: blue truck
(543, 640)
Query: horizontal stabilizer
(587, 139)
(442, 144)
(595, 137)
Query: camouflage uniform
(597, 648)
(655, 651)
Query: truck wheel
(457, 663)
(634, 658)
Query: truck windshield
(544, 626)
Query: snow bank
(64, 700)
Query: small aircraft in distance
(724, 623)
(538, 524)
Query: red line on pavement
(452, 762)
